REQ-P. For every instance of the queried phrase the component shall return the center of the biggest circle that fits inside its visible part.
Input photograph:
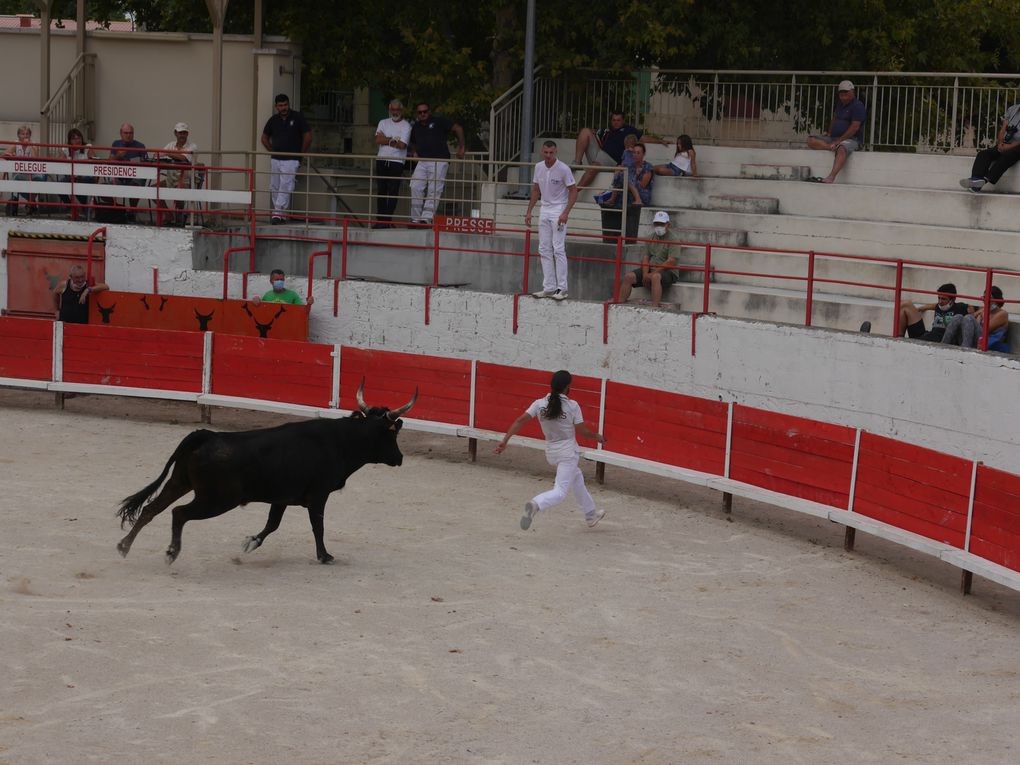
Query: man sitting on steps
(658, 262)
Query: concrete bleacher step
(775, 172)
(743, 203)
(723, 237)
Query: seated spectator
(684, 162)
(71, 299)
(23, 149)
(966, 330)
(180, 152)
(605, 147)
(846, 131)
(945, 308)
(78, 151)
(611, 197)
(279, 293)
(658, 262)
(991, 163)
(127, 149)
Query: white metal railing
(73, 103)
(924, 112)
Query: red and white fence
(958, 510)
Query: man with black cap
(286, 134)
(846, 131)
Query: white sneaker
(530, 510)
(544, 294)
(559, 295)
(593, 519)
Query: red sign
(461, 225)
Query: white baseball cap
(182, 127)
(845, 85)
(661, 217)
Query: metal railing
(73, 103)
(925, 112)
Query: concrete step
(744, 204)
(775, 172)
(725, 237)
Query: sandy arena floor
(444, 634)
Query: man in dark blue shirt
(605, 147)
(428, 141)
(127, 149)
(846, 131)
(286, 133)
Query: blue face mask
(278, 284)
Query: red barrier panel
(289, 371)
(134, 358)
(26, 348)
(664, 427)
(995, 525)
(444, 385)
(916, 489)
(792, 455)
(502, 393)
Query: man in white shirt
(554, 183)
(391, 136)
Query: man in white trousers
(428, 144)
(286, 131)
(554, 183)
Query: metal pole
(528, 89)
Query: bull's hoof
(171, 555)
(251, 543)
(123, 548)
(325, 558)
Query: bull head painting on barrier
(300, 463)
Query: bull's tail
(131, 506)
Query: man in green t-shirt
(658, 262)
(279, 293)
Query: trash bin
(611, 219)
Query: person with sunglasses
(429, 145)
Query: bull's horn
(361, 399)
(397, 412)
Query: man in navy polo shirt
(429, 135)
(605, 147)
(846, 131)
(286, 133)
(127, 149)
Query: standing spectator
(78, 151)
(286, 133)
(561, 421)
(554, 183)
(181, 152)
(846, 131)
(23, 149)
(658, 262)
(605, 147)
(945, 308)
(991, 163)
(429, 142)
(611, 197)
(392, 136)
(127, 149)
(71, 299)
(279, 292)
(966, 330)
(684, 162)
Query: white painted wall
(962, 402)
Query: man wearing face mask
(945, 308)
(279, 293)
(391, 136)
(71, 299)
(967, 330)
(658, 262)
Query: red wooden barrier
(444, 385)
(664, 427)
(134, 358)
(913, 488)
(792, 455)
(26, 348)
(995, 525)
(502, 393)
(288, 371)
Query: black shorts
(668, 278)
(916, 330)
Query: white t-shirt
(682, 160)
(554, 184)
(559, 433)
(401, 131)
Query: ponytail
(560, 382)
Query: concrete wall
(963, 402)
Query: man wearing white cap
(180, 153)
(554, 183)
(658, 262)
(846, 131)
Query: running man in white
(554, 182)
(561, 420)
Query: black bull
(300, 463)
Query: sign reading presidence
(21, 166)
